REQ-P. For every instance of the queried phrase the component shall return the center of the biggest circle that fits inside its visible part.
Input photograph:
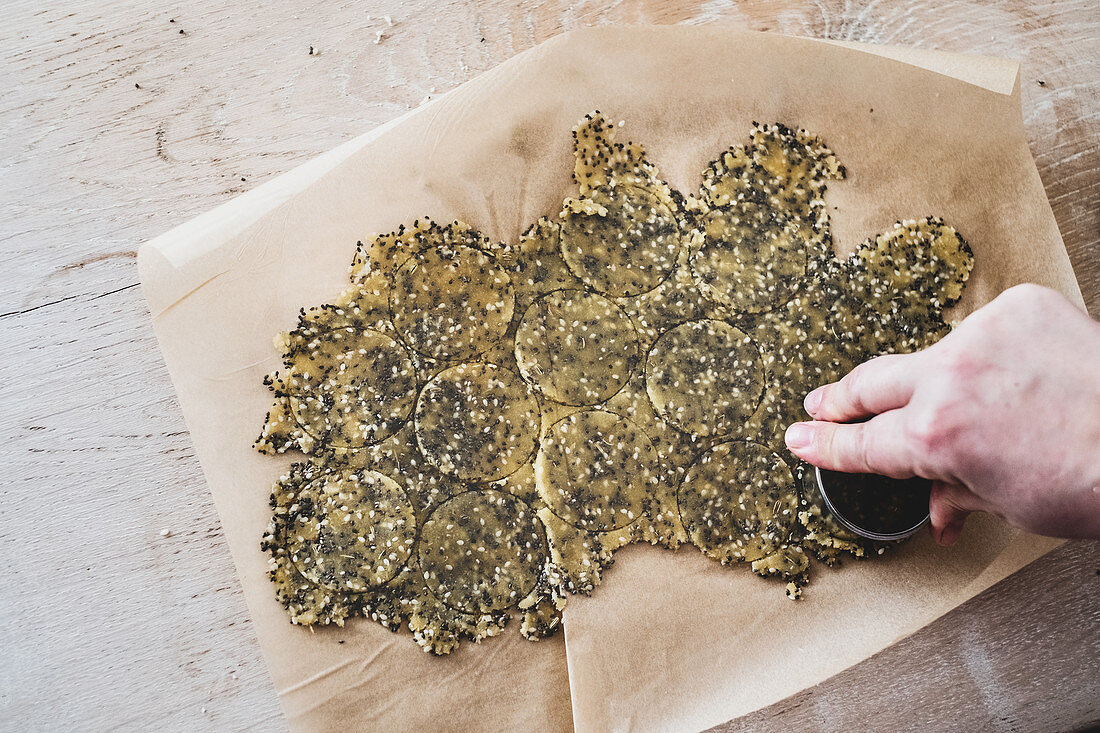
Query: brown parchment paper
(670, 640)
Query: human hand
(1003, 414)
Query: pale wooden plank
(112, 625)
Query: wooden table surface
(120, 121)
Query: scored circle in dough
(576, 347)
(482, 551)
(750, 259)
(625, 242)
(353, 530)
(738, 501)
(705, 377)
(596, 469)
(919, 256)
(350, 387)
(452, 302)
(477, 422)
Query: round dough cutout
(482, 551)
(705, 377)
(354, 530)
(452, 302)
(738, 501)
(577, 348)
(596, 470)
(629, 250)
(750, 258)
(350, 387)
(477, 422)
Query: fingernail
(798, 435)
(813, 400)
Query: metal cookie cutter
(870, 506)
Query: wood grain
(118, 122)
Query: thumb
(948, 508)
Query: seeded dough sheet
(669, 640)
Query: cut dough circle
(350, 387)
(751, 257)
(705, 377)
(482, 551)
(738, 501)
(578, 348)
(596, 470)
(477, 422)
(452, 302)
(623, 242)
(920, 256)
(353, 530)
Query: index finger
(876, 386)
(878, 446)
